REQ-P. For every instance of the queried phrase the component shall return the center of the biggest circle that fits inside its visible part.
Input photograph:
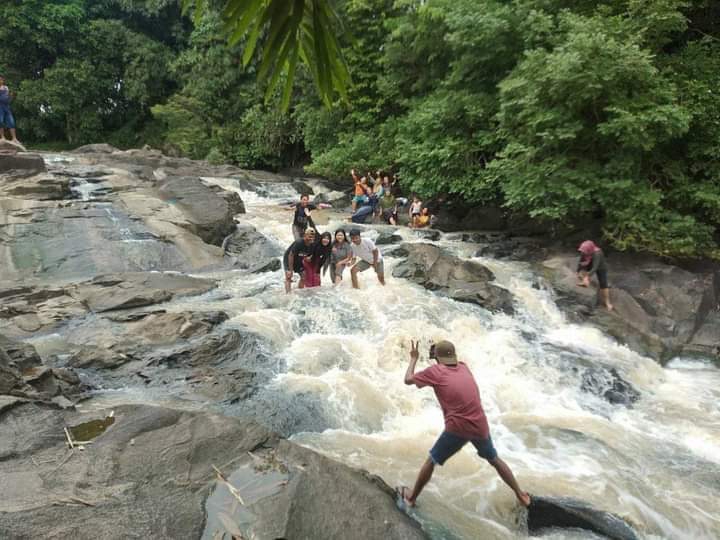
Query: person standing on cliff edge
(465, 421)
(7, 120)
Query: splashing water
(657, 464)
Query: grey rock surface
(150, 473)
(462, 280)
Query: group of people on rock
(378, 197)
(315, 255)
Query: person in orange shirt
(360, 185)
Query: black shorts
(602, 278)
(449, 444)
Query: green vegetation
(564, 110)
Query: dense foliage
(563, 110)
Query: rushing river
(344, 351)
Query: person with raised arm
(465, 421)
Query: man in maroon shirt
(457, 392)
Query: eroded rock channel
(147, 290)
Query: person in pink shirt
(465, 421)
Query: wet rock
(398, 253)
(40, 187)
(102, 148)
(387, 238)
(95, 358)
(207, 211)
(555, 512)
(149, 475)
(20, 165)
(427, 234)
(608, 384)
(211, 349)
(136, 289)
(511, 248)
(22, 355)
(660, 310)
(116, 340)
(465, 281)
(253, 250)
(10, 377)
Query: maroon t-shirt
(459, 398)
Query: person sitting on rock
(423, 220)
(389, 207)
(294, 256)
(592, 261)
(465, 421)
(7, 120)
(369, 255)
(340, 256)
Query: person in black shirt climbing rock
(592, 261)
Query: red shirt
(459, 397)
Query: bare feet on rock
(403, 493)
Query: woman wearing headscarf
(320, 260)
(592, 261)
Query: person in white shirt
(369, 256)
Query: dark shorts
(449, 444)
(361, 266)
(602, 278)
(7, 120)
(298, 266)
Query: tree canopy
(561, 110)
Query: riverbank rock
(253, 250)
(660, 310)
(387, 238)
(209, 211)
(21, 164)
(28, 309)
(465, 281)
(149, 475)
(548, 513)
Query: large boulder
(150, 472)
(26, 310)
(136, 289)
(21, 164)
(462, 280)
(253, 250)
(209, 211)
(547, 513)
(659, 309)
(102, 148)
(39, 187)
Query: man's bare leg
(354, 278)
(381, 278)
(13, 135)
(424, 476)
(507, 476)
(2, 134)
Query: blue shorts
(448, 444)
(7, 120)
(360, 199)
